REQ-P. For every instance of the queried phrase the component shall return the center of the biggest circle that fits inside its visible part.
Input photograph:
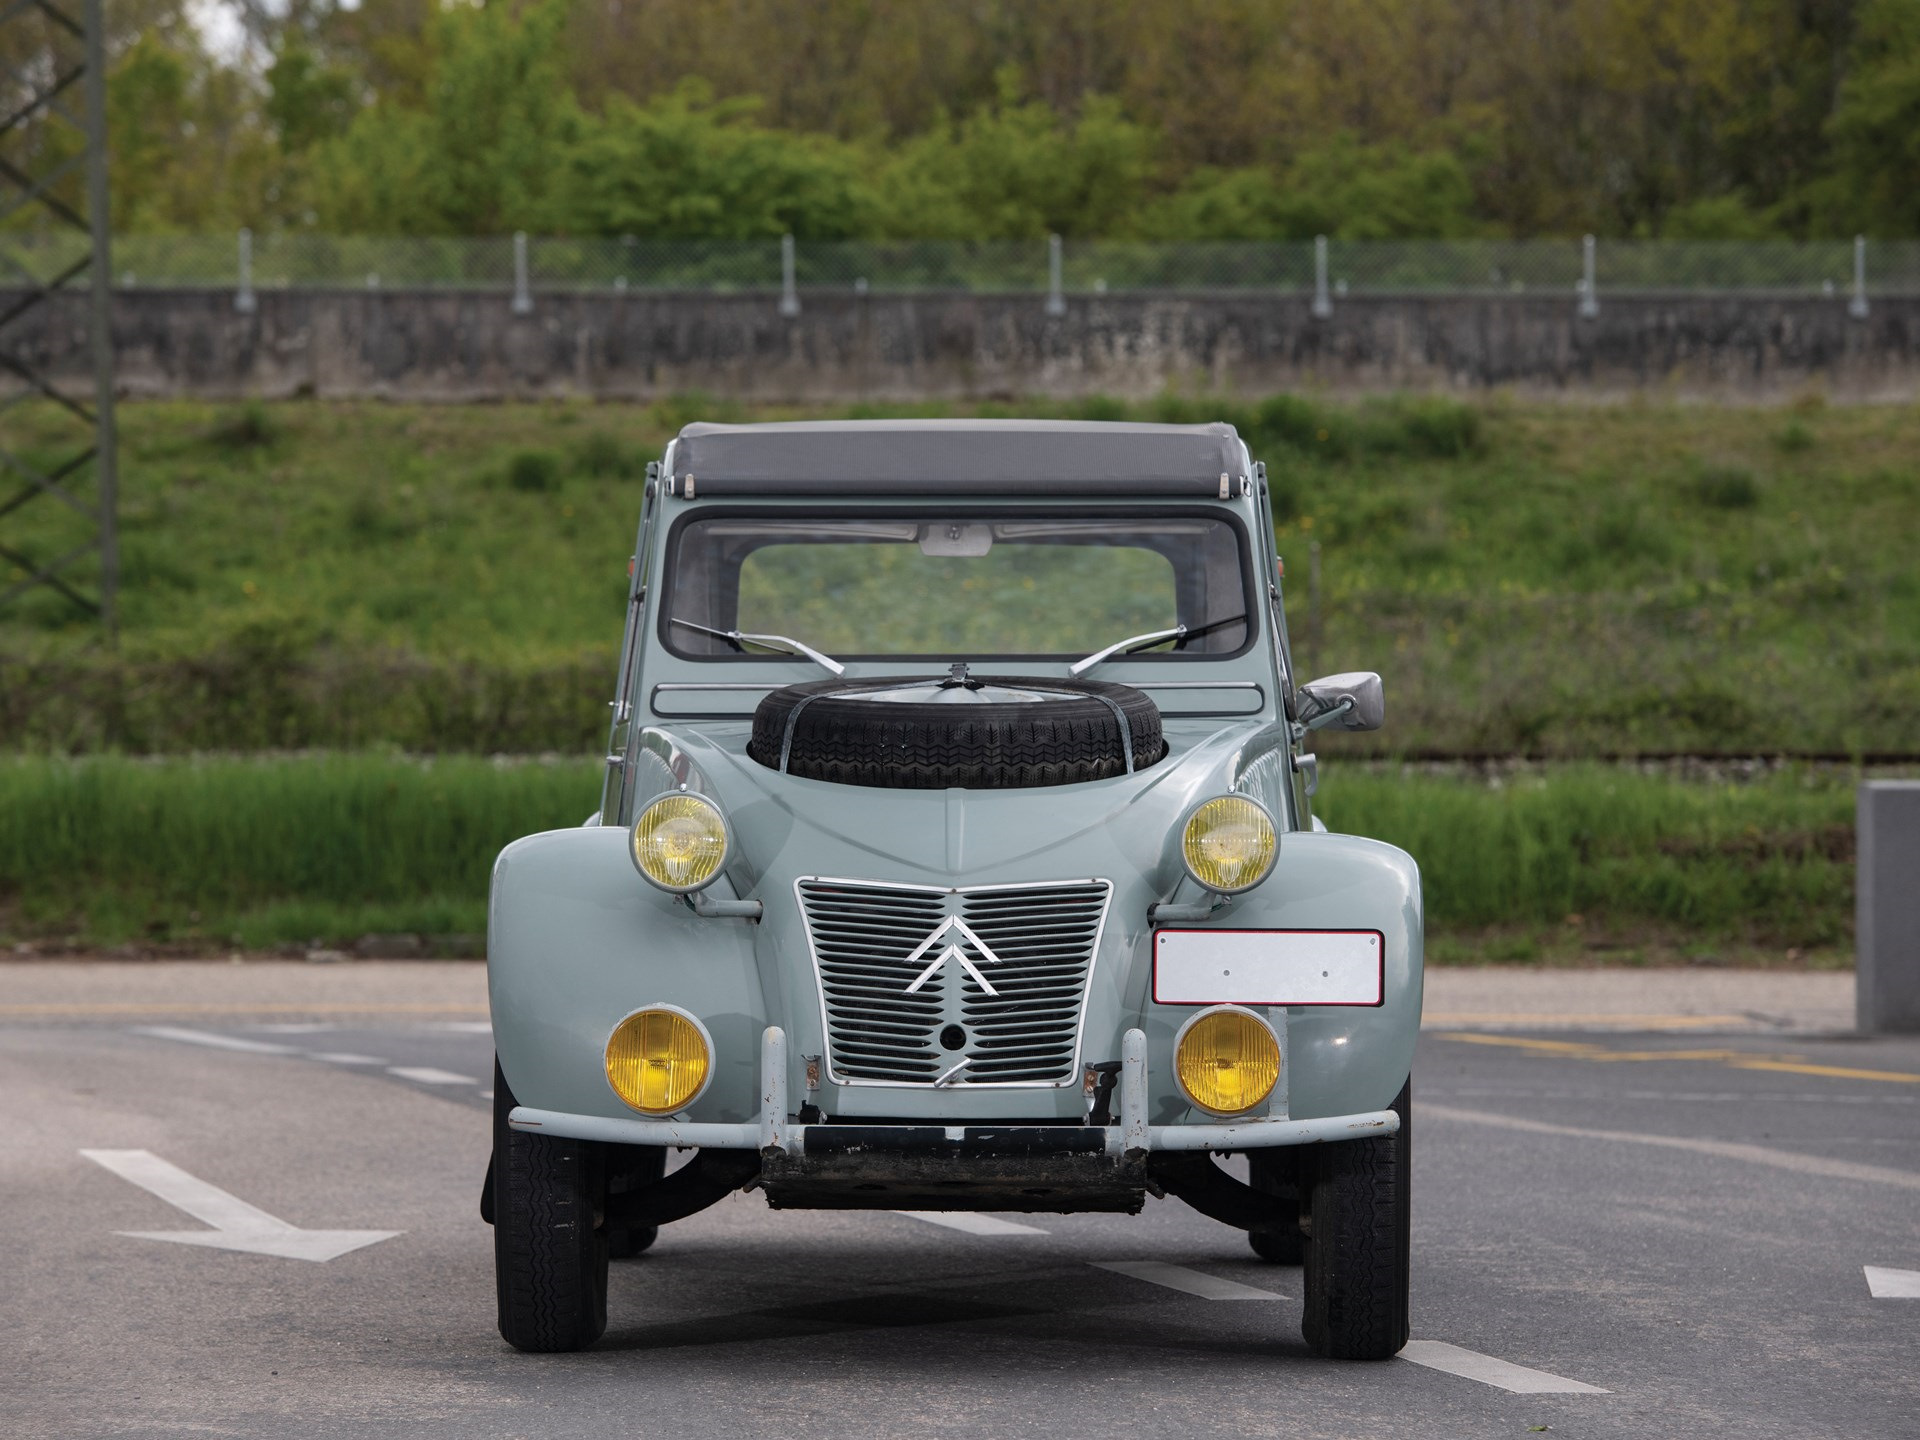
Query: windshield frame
(921, 511)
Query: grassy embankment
(1561, 582)
(1573, 865)
(1557, 582)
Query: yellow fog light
(1227, 1060)
(680, 842)
(659, 1060)
(1229, 844)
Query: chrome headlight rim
(1280, 1054)
(659, 1007)
(1180, 841)
(726, 841)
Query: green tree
(1875, 183)
(686, 167)
(1342, 188)
(482, 155)
(1017, 169)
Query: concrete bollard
(1887, 908)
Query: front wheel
(1358, 1235)
(549, 1252)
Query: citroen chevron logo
(953, 952)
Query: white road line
(304, 1028)
(1191, 1282)
(215, 1042)
(1501, 1374)
(427, 1075)
(464, 1027)
(484, 1094)
(971, 1223)
(344, 1057)
(1723, 1149)
(236, 1224)
(1887, 1284)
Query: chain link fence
(522, 265)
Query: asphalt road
(1680, 1221)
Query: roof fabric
(980, 457)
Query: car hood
(784, 825)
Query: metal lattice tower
(46, 48)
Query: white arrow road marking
(1501, 1374)
(1192, 1282)
(1887, 1284)
(427, 1075)
(236, 1224)
(971, 1223)
(216, 1042)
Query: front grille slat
(1026, 1033)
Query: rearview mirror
(1353, 701)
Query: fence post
(1313, 607)
(1857, 307)
(1589, 284)
(522, 289)
(243, 300)
(1056, 286)
(1322, 297)
(1887, 908)
(789, 280)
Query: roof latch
(1226, 486)
(689, 487)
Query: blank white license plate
(1268, 967)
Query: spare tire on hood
(933, 732)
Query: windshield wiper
(1127, 646)
(784, 643)
(1179, 634)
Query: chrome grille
(891, 987)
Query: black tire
(549, 1254)
(841, 731)
(1357, 1244)
(630, 1168)
(1274, 1172)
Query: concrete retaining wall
(467, 346)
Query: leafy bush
(534, 471)
(251, 427)
(603, 456)
(1794, 438)
(1727, 487)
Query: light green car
(957, 853)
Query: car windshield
(970, 586)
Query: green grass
(1551, 581)
(256, 853)
(1576, 862)
(1606, 863)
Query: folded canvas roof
(976, 457)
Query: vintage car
(956, 852)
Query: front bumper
(778, 1135)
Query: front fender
(576, 940)
(1341, 1059)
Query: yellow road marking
(1732, 1059)
(1557, 1022)
(134, 1007)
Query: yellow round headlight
(658, 1060)
(1229, 844)
(1227, 1060)
(680, 842)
